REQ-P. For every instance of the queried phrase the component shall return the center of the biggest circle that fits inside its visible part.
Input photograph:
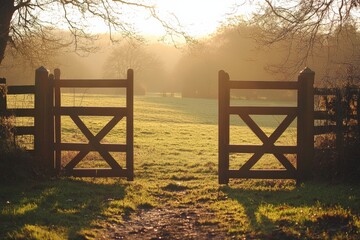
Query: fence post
(3, 91)
(305, 124)
(41, 141)
(130, 125)
(224, 122)
(340, 114)
(57, 104)
(3, 106)
(50, 121)
(358, 113)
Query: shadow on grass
(312, 211)
(64, 206)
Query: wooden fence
(305, 130)
(18, 131)
(337, 113)
(47, 123)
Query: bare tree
(307, 18)
(305, 26)
(21, 20)
(128, 55)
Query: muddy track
(168, 223)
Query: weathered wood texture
(338, 114)
(303, 112)
(47, 114)
(5, 111)
(117, 113)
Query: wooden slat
(72, 164)
(130, 124)
(354, 90)
(91, 83)
(24, 130)
(263, 110)
(323, 115)
(325, 91)
(93, 111)
(57, 122)
(282, 127)
(254, 127)
(95, 141)
(258, 148)
(324, 129)
(96, 172)
(22, 112)
(252, 161)
(88, 147)
(263, 85)
(25, 89)
(31, 152)
(223, 124)
(262, 174)
(352, 116)
(325, 151)
(286, 163)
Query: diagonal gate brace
(95, 141)
(268, 142)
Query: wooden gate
(94, 144)
(303, 112)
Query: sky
(198, 17)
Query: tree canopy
(21, 20)
(309, 24)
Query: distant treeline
(193, 70)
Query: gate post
(50, 121)
(57, 105)
(224, 122)
(3, 90)
(41, 141)
(130, 125)
(358, 112)
(305, 124)
(3, 106)
(2, 96)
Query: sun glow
(198, 18)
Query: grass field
(176, 167)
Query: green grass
(176, 166)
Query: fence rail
(338, 111)
(339, 116)
(18, 130)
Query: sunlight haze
(197, 18)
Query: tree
(306, 25)
(21, 20)
(128, 55)
(307, 19)
(134, 55)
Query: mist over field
(190, 70)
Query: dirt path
(172, 223)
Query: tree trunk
(7, 10)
